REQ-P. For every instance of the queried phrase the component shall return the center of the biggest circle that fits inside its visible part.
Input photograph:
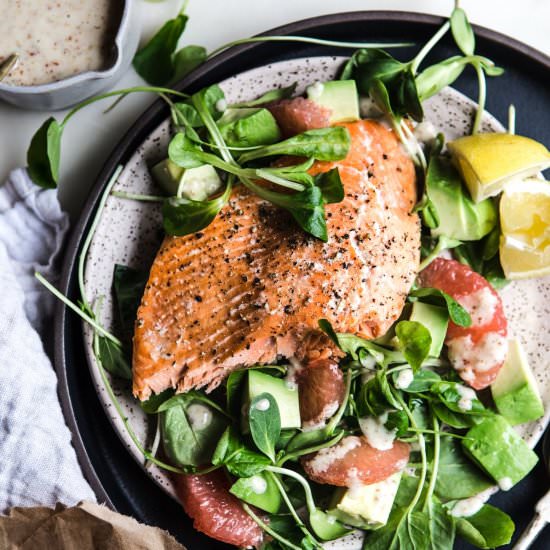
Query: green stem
(267, 175)
(289, 505)
(482, 97)
(91, 321)
(309, 40)
(91, 232)
(422, 444)
(310, 503)
(443, 243)
(512, 119)
(265, 527)
(333, 422)
(435, 464)
(138, 197)
(155, 89)
(312, 449)
(420, 56)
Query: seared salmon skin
(252, 286)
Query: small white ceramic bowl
(69, 91)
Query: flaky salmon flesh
(252, 286)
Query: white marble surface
(91, 135)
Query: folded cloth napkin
(38, 465)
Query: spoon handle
(539, 521)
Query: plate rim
(127, 145)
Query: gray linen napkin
(38, 465)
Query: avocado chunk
(259, 490)
(340, 96)
(515, 391)
(496, 447)
(366, 506)
(194, 183)
(435, 319)
(286, 398)
(459, 216)
(247, 127)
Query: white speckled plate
(129, 233)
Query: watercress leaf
(181, 216)
(352, 345)
(43, 154)
(415, 341)
(184, 152)
(233, 391)
(489, 528)
(128, 285)
(405, 99)
(451, 418)
(189, 441)
(265, 423)
(404, 531)
(457, 476)
(187, 59)
(459, 316)
(113, 359)
(155, 401)
(380, 96)
(268, 97)
(491, 243)
(434, 78)
(321, 144)
(330, 185)
(376, 65)
(441, 525)
(492, 271)
(398, 421)
(210, 99)
(247, 463)
(188, 115)
(423, 380)
(154, 62)
(450, 394)
(372, 400)
(462, 32)
(427, 210)
(285, 437)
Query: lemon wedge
(488, 161)
(525, 224)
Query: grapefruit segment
(215, 511)
(353, 461)
(295, 116)
(321, 389)
(477, 352)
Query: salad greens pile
(245, 430)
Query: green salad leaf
(489, 528)
(128, 286)
(265, 423)
(187, 59)
(44, 153)
(155, 61)
(459, 316)
(113, 358)
(414, 341)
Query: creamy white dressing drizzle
(377, 435)
(467, 395)
(315, 90)
(262, 404)
(489, 352)
(469, 506)
(481, 305)
(199, 416)
(258, 485)
(56, 40)
(324, 458)
(404, 379)
(505, 483)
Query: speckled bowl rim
(124, 28)
(135, 135)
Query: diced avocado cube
(286, 397)
(515, 391)
(259, 490)
(435, 319)
(194, 183)
(340, 96)
(366, 506)
(496, 447)
(247, 127)
(167, 174)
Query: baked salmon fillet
(252, 286)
